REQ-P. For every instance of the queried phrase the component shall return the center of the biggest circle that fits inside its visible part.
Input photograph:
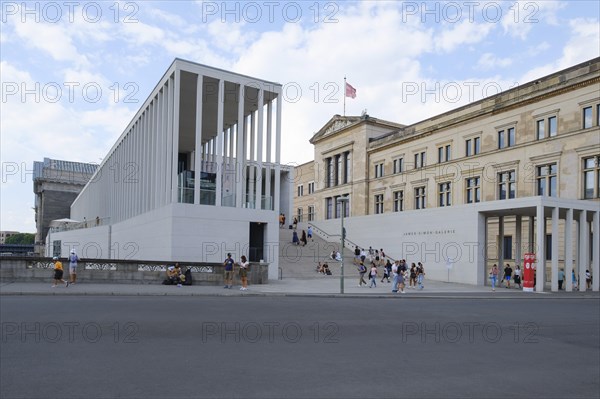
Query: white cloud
(521, 16)
(490, 61)
(464, 32)
(53, 39)
(583, 44)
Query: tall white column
(568, 250)
(518, 241)
(240, 157)
(169, 149)
(268, 156)
(501, 243)
(259, 153)
(584, 252)
(596, 252)
(219, 143)
(175, 137)
(198, 140)
(530, 232)
(252, 168)
(554, 269)
(540, 249)
(277, 177)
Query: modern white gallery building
(196, 174)
(517, 172)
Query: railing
(67, 226)
(347, 243)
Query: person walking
(507, 275)
(561, 278)
(588, 279)
(494, 276)
(373, 275)
(420, 275)
(303, 239)
(228, 271)
(295, 223)
(401, 279)
(244, 265)
(412, 282)
(73, 259)
(309, 233)
(362, 270)
(518, 275)
(295, 239)
(386, 271)
(395, 273)
(58, 273)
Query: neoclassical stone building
(499, 164)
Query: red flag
(350, 91)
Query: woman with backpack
(362, 270)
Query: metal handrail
(346, 240)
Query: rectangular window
(338, 207)
(546, 180)
(511, 137)
(347, 207)
(506, 185)
(444, 153)
(468, 150)
(338, 170)
(378, 203)
(329, 208)
(311, 213)
(329, 172)
(300, 215)
(591, 177)
(507, 247)
(311, 187)
(473, 190)
(552, 126)
(398, 201)
(300, 190)
(379, 170)
(398, 165)
(419, 160)
(420, 198)
(541, 129)
(444, 194)
(548, 246)
(587, 117)
(346, 167)
(506, 138)
(476, 145)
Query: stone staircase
(296, 261)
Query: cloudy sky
(73, 74)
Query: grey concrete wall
(119, 272)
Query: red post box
(529, 264)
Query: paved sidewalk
(319, 286)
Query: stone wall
(28, 269)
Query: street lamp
(342, 202)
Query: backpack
(188, 277)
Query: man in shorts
(58, 273)
(73, 259)
(507, 274)
(228, 271)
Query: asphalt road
(275, 347)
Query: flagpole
(344, 94)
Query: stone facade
(56, 184)
(540, 138)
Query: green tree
(21, 238)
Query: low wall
(121, 271)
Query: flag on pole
(350, 91)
